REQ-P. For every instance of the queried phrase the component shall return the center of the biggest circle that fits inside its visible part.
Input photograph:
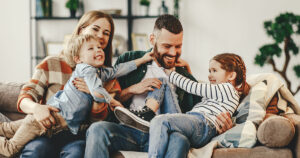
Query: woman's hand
(80, 84)
(42, 113)
(224, 122)
(114, 103)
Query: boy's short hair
(73, 46)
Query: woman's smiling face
(100, 28)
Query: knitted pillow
(276, 131)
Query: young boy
(73, 104)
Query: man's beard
(160, 59)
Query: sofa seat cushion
(276, 131)
(256, 152)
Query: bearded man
(104, 137)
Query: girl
(226, 88)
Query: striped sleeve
(222, 92)
(200, 89)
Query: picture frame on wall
(140, 41)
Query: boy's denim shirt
(75, 105)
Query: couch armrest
(9, 93)
(295, 144)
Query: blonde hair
(86, 20)
(73, 46)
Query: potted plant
(282, 30)
(72, 5)
(145, 7)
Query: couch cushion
(9, 93)
(240, 136)
(256, 152)
(276, 131)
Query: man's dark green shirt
(186, 101)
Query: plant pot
(144, 10)
(72, 13)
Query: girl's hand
(42, 113)
(182, 63)
(224, 122)
(168, 71)
(114, 103)
(80, 84)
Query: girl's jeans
(166, 98)
(192, 125)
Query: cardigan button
(144, 71)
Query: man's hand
(145, 86)
(80, 84)
(114, 103)
(42, 113)
(224, 122)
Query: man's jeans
(64, 145)
(104, 138)
(193, 126)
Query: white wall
(218, 26)
(14, 40)
(210, 27)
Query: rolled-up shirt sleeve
(117, 71)
(95, 84)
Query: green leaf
(72, 4)
(270, 50)
(297, 70)
(292, 47)
(260, 60)
(145, 2)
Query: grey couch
(9, 94)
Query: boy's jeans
(193, 126)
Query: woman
(50, 76)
